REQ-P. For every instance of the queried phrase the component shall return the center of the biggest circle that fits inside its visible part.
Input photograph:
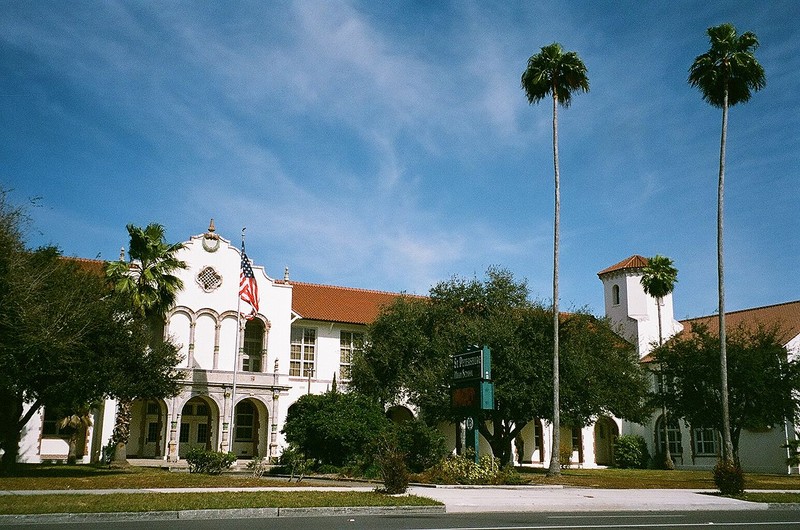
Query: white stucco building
(301, 341)
(635, 315)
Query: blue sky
(388, 145)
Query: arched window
(253, 346)
(673, 433)
(615, 294)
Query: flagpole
(236, 356)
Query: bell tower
(632, 312)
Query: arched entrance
(250, 429)
(606, 433)
(148, 429)
(399, 414)
(198, 418)
(529, 444)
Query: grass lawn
(154, 502)
(773, 498)
(653, 479)
(64, 477)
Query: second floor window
(253, 346)
(349, 343)
(303, 352)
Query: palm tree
(75, 424)
(659, 277)
(726, 74)
(149, 283)
(558, 74)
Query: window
(349, 343)
(304, 345)
(245, 419)
(615, 294)
(209, 279)
(201, 410)
(50, 423)
(184, 436)
(673, 433)
(152, 407)
(202, 433)
(253, 346)
(152, 432)
(705, 441)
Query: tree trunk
(723, 355)
(72, 457)
(122, 431)
(9, 435)
(668, 463)
(555, 464)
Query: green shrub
(295, 461)
(729, 478)
(392, 463)
(463, 470)
(258, 466)
(209, 462)
(422, 445)
(334, 427)
(630, 451)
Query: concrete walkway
(571, 499)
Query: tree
(764, 381)
(558, 74)
(658, 280)
(334, 428)
(407, 358)
(151, 287)
(75, 423)
(64, 338)
(726, 75)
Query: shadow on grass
(62, 471)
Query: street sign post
(472, 389)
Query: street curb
(238, 513)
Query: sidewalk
(572, 499)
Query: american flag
(248, 288)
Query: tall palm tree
(726, 74)
(149, 283)
(659, 277)
(558, 74)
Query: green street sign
(475, 364)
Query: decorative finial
(286, 274)
(211, 227)
(122, 253)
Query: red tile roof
(338, 304)
(90, 265)
(786, 316)
(634, 262)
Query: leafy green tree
(726, 74)
(659, 277)
(334, 428)
(407, 357)
(764, 381)
(61, 336)
(148, 282)
(558, 74)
